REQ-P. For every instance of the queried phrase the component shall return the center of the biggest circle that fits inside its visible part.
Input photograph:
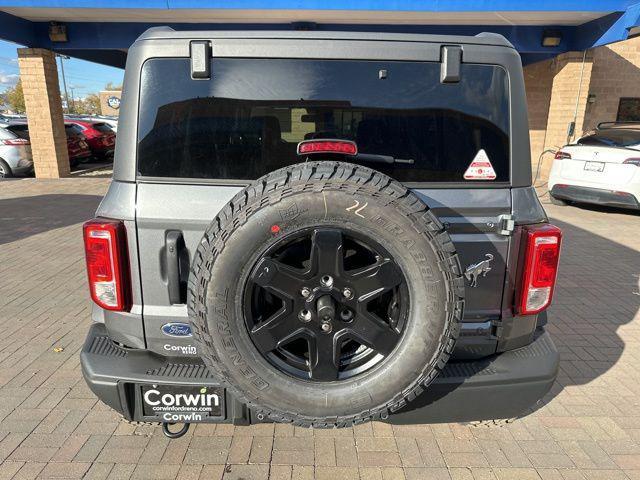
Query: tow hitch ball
(178, 433)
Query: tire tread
(318, 177)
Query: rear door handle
(173, 245)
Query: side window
(629, 110)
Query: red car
(77, 145)
(100, 137)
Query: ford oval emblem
(177, 329)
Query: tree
(110, 86)
(91, 104)
(15, 98)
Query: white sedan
(602, 167)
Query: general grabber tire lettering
(325, 294)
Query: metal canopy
(102, 30)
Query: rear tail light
(15, 141)
(632, 161)
(344, 147)
(105, 245)
(560, 155)
(542, 252)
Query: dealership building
(581, 58)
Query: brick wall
(569, 91)
(616, 74)
(538, 79)
(554, 90)
(610, 72)
(39, 75)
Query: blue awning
(102, 30)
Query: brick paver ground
(52, 426)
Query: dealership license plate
(594, 166)
(177, 403)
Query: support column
(568, 102)
(39, 75)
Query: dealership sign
(113, 102)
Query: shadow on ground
(597, 293)
(23, 217)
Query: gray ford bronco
(320, 228)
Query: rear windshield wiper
(348, 148)
(375, 158)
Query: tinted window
(102, 127)
(72, 129)
(248, 119)
(21, 130)
(614, 137)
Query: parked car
(603, 168)
(99, 136)
(346, 234)
(77, 146)
(15, 154)
(111, 122)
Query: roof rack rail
(602, 125)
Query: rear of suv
(323, 229)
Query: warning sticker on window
(480, 168)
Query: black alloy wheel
(325, 304)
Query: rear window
(614, 137)
(102, 127)
(21, 131)
(73, 130)
(248, 119)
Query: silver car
(15, 153)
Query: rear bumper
(99, 149)
(598, 196)
(501, 386)
(22, 169)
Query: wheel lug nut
(346, 315)
(347, 293)
(326, 281)
(305, 292)
(304, 316)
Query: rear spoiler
(603, 125)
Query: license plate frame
(591, 166)
(176, 403)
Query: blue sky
(85, 77)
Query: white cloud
(8, 79)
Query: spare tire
(325, 294)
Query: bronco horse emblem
(474, 270)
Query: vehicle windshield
(613, 137)
(248, 119)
